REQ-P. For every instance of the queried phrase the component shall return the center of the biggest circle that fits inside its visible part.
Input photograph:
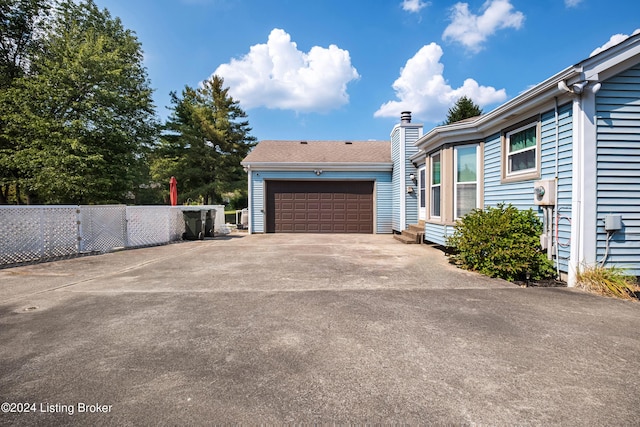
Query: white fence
(31, 233)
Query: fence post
(126, 226)
(41, 230)
(80, 244)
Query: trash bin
(244, 219)
(210, 222)
(194, 222)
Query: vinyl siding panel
(520, 194)
(618, 170)
(411, 136)
(395, 191)
(257, 202)
(437, 233)
(382, 190)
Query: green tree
(204, 141)
(464, 108)
(20, 24)
(83, 118)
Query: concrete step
(416, 228)
(404, 239)
(413, 234)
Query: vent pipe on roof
(405, 117)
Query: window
(466, 179)
(521, 149)
(435, 185)
(421, 180)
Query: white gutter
(487, 124)
(596, 68)
(308, 166)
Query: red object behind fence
(173, 190)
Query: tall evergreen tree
(464, 108)
(204, 141)
(83, 117)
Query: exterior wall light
(318, 172)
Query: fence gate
(102, 228)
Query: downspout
(557, 210)
(576, 255)
(584, 187)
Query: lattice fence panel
(103, 228)
(148, 225)
(176, 224)
(60, 231)
(30, 233)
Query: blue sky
(344, 69)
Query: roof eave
(329, 166)
(486, 124)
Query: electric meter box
(544, 192)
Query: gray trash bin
(210, 221)
(194, 224)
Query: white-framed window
(466, 187)
(422, 175)
(435, 184)
(521, 151)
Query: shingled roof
(318, 152)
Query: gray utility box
(613, 222)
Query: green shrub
(608, 281)
(501, 242)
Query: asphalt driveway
(306, 329)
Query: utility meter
(544, 192)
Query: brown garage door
(319, 207)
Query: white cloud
(572, 3)
(614, 40)
(277, 75)
(472, 30)
(423, 90)
(414, 6)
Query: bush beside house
(501, 242)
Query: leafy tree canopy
(464, 108)
(75, 129)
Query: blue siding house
(568, 148)
(577, 136)
(334, 186)
(320, 187)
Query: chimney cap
(405, 117)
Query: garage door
(319, 207)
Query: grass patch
(608, 281)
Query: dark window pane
(435, 201)
(522, 161)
